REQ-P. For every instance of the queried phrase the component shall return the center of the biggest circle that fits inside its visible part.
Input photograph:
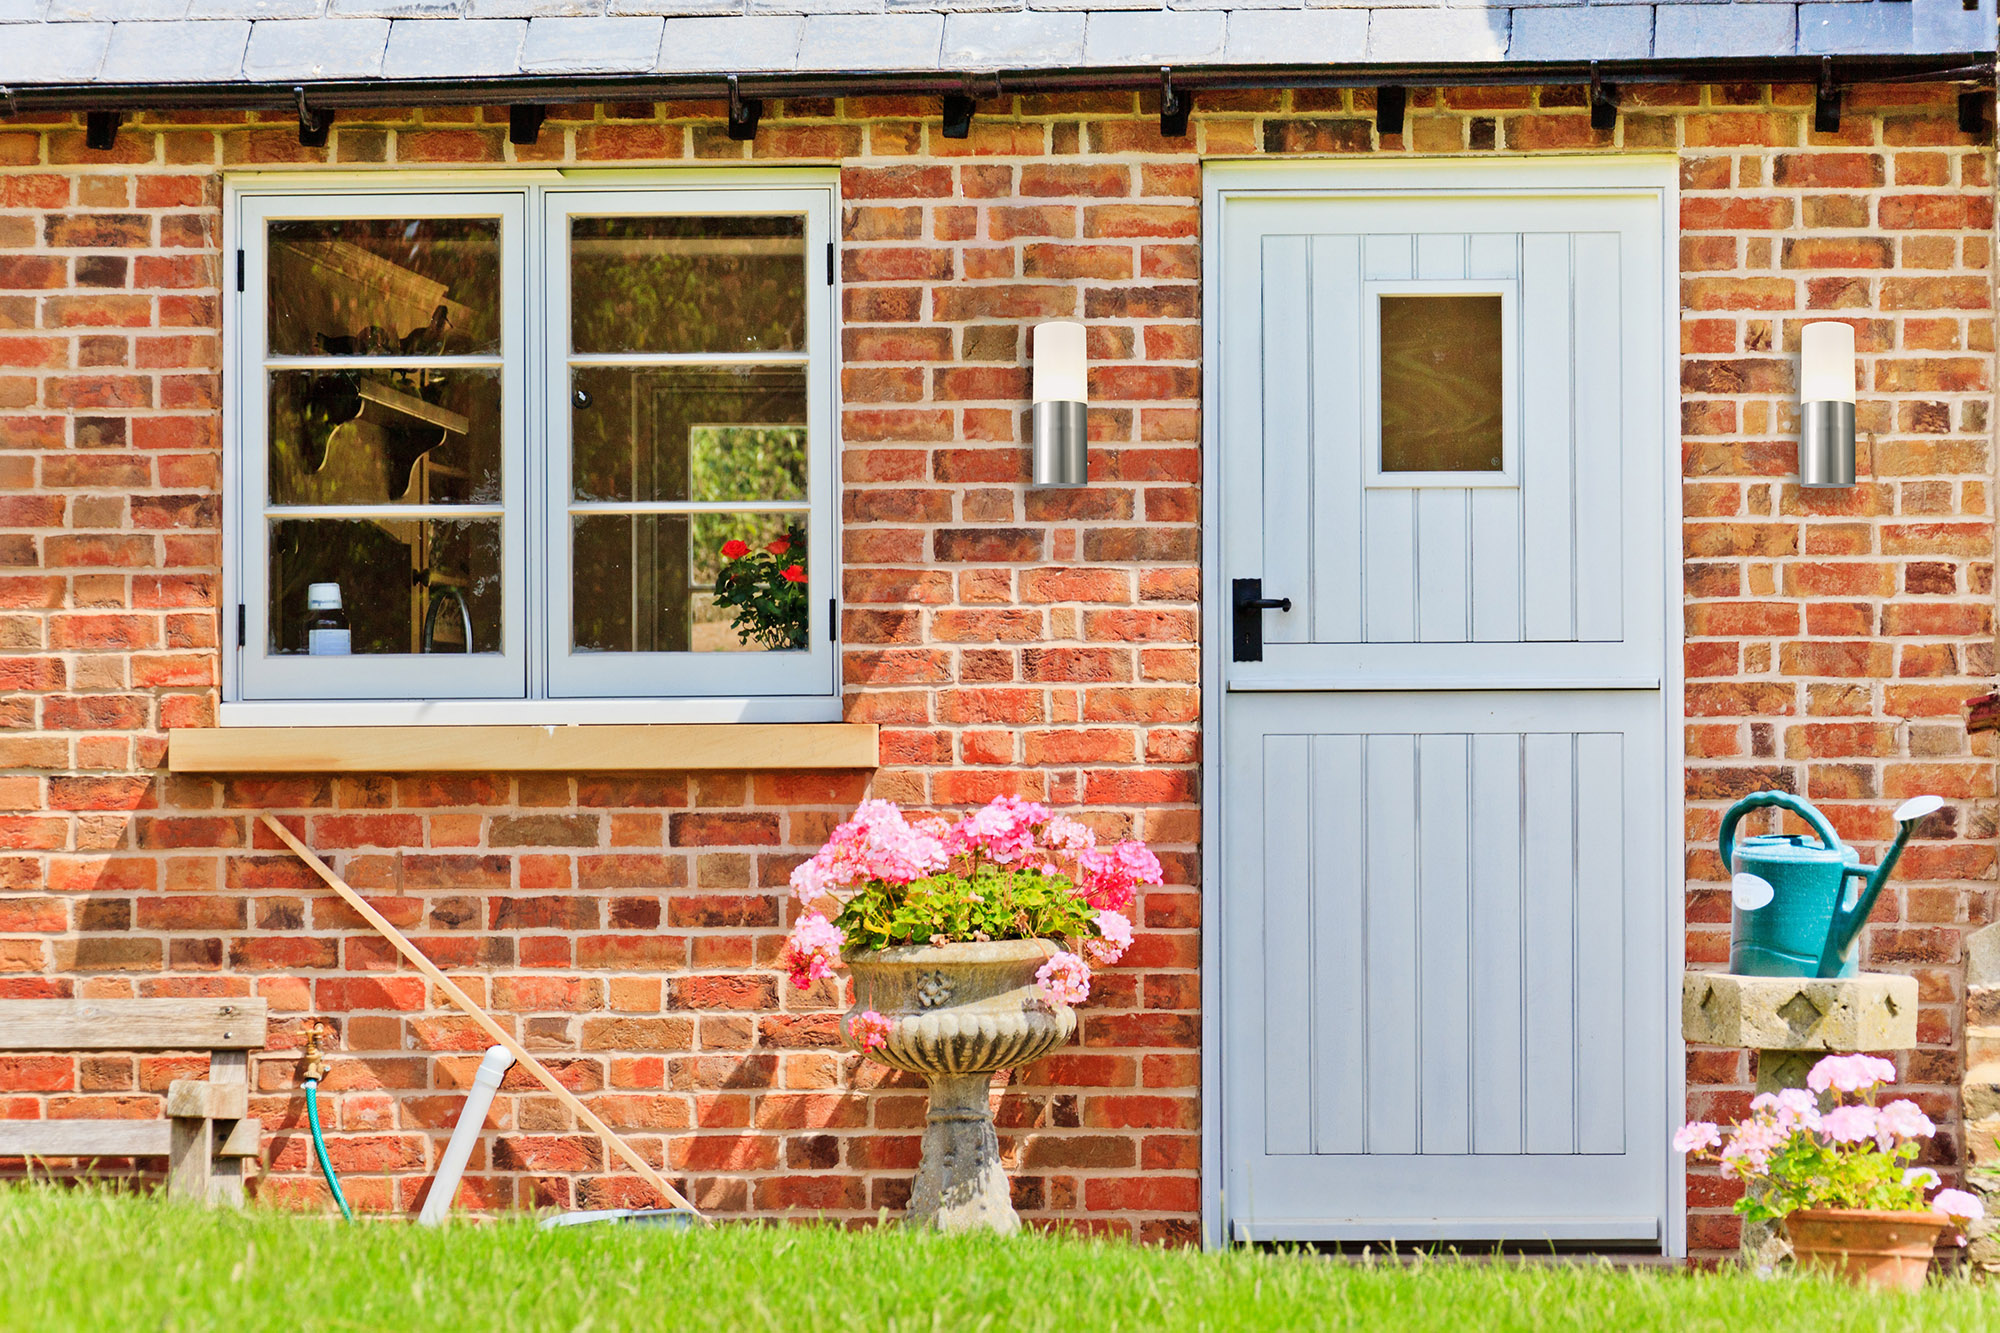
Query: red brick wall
(1006, 640)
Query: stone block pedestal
(1791, 1022)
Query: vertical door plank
(1288, 400)
(1440, 256)
(1600, 448)
(1493, 255)
(1444, 564)
(1389, 565)
(1340, 961)
(1496, 564)
(1549, 859)
(1388, 258)
(1444, 825)
(1394, 977)
(1288, 868)
(1242, 407)
(1548, 579)
(1497, 1094)
(1600, 932)
(1337, 309)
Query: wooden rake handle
(478, 1015)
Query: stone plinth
(1791, 1022)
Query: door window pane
(704, 583)
(412, 435)
(675, 433)
(687, 284)
(381, 287)
(406, 585)
(1442, 393)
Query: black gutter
(1961, 67)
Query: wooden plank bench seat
(208, 1133)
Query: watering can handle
(1784, 800)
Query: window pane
(681, 434)
(391, 573)
(687, 284)
(427, 287)
(1441, 384)
(648, 583)
(419, 435)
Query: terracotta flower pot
(1869, 1247)
(957, 1013)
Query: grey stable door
(1442, 900)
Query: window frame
(1373, 474)
(532, 368)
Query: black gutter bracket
(744, 112)
(1826, 100)
(1392, 101)
(1603, 101)
(314, 126)
(524, 122)
(1975, 114)
(955, 122)
(100, 129)
(1175, 104)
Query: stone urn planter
(957, 1014)
(1867, 1247)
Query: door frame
(1649, 174)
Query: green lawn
(93, 1260)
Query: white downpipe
(471, 1120)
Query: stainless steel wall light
(1061, 415)
(1826, 404)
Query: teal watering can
(1798, 906)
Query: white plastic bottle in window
(327, 634)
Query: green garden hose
(319, 1147)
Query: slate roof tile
(256, 9)
(1946, 25)
(871, 41)
(303, 49)
(1854, 28)
(1277, 39)
(1594, 32)
(975, 40)
(1156, 38)
(1694, 32)
(186, 51)
(591, 45)
(60, 53)
(1432, 34)
(733, 46)
(460, 49)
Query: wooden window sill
(667, 747)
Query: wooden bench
(207, 1134)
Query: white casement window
(565, 448)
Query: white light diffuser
(1826, 363)
(1062, 368)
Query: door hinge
(833, 619)
(239, 270)
(242, 626)
(829, 263)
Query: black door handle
(1250, 603)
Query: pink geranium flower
(877, 843)
(1849, 1073)
(1958, 1205)
(1850, 1124)
(1695, 1136)
(813, 950)
(869, 1030)
(1901, 1119)
(1064, 979)
(1003, 830)
(1114, 937)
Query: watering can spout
(1847, 921)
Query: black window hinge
(833, 619)
(242, 626)
(239, 270)
(829, 263)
